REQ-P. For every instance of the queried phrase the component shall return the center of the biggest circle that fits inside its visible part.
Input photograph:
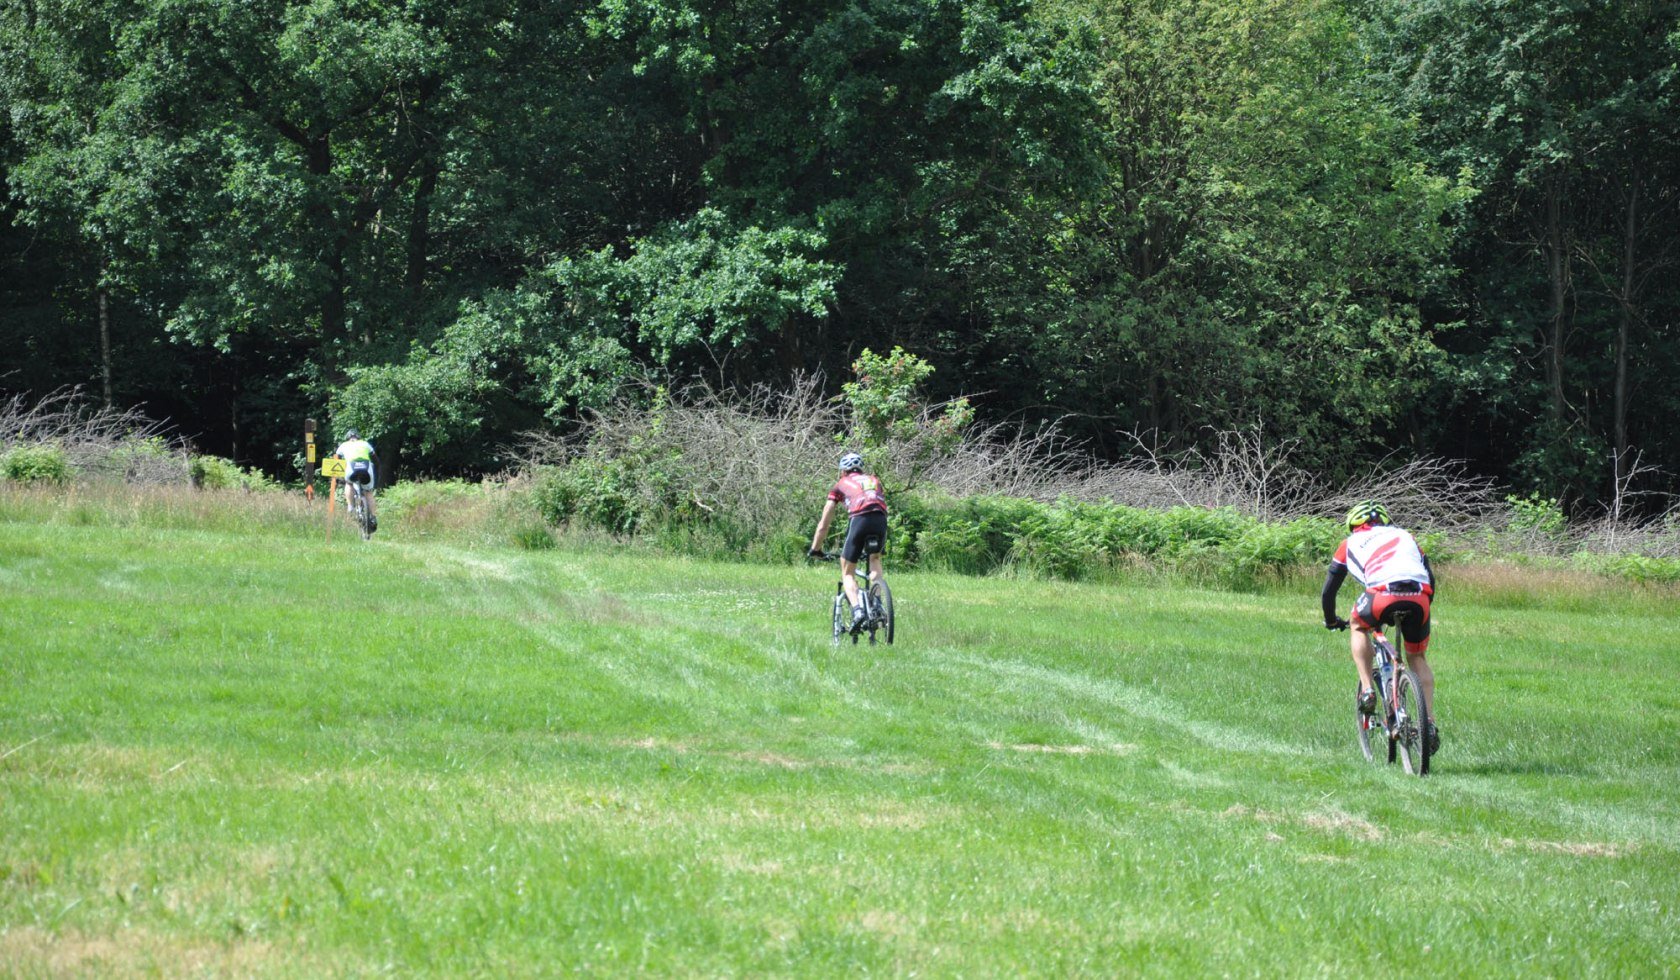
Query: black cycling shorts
(1374, 609)
(867, 534)
(361, 471)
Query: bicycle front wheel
(839, 618)
(1411, 722)
(1365, 724)
(884, 606)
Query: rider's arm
(1433, 588)
(1332, 585)
(822, 527)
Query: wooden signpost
(333, 468)
(309, 458)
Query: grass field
(254, 753)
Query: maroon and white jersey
(1381, 554)
(861, 493)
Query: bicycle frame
(875, 598)
(358, 507)
(1390, 668)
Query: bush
(531, 535)
(623, 495)
(146, 461)
(27, 463)
(412, 495)
(1638, 568)
(741, 475)
(1539, 515)
(217, 473)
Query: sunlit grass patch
(237, 749)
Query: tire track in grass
(794, 658)
(698, 663)
(1135, 702)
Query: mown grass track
(255, 753)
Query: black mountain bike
(359, 509)
(1401, 714)
(878, 617)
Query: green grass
(253, 752)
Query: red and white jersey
(1382, 554)
(861, 492)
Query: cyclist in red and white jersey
(1397, 579)
(866, 506)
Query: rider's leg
(1426, 678)
(1362, 652)
(848, 581)
(875, 570)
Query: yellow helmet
(1367, 512)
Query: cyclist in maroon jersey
(866, 506)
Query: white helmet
(850, 462)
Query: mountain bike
(878, 615)
(1402, 715)
(359, 509)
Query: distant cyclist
(866, 505)
(1397, 579)
(359, 459)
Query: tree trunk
(1152, 403)
(320, 162)
(104, 336)
(233, 417)
(1624, 327)
(1557, 268)
(419, 231)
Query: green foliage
(883, 397)
(1635, 568)
(622, 496)
(531, 535)
(573, 332)
(631, 496)
(217, 473)
(887, 404)
(1564, 117)
(889, 412)
(26, 463)
(1538, 515)
(1431, 223)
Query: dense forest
(1441, 227)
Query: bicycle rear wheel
(1411, 722)
(883, 607)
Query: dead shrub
(98, 443)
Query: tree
(1263, 237)
(1563, 113)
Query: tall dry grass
(176, 506)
